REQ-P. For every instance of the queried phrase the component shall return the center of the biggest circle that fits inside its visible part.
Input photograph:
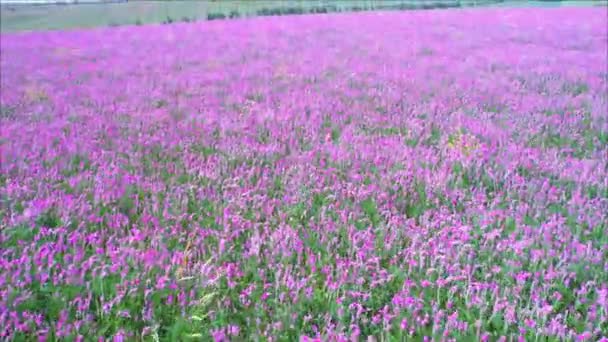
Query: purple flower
(366, 166)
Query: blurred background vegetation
(69, 14)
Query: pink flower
(218, 335)
(119, 337)
(403, 324)
(530, 323)
(585, 336)
(233, 330)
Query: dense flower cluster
(405, 174)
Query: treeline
(331, 8)
(355, 7)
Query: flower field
(438, 175)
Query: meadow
(19, 17)
(410, 176)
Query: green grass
(60, 17)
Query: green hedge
(295, 10)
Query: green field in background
(58, 17)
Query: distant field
(57, 17)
